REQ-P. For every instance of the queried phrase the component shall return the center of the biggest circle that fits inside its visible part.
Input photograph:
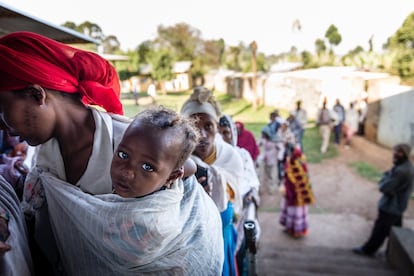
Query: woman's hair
(184, 131)
(201, 101)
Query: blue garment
(230, 240)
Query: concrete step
(319, 261)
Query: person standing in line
(340, 113)
(246, 140)
(362, 111)
(298, 194)
(324, 123)
(268, 160)
(396, 186)
(286, 139)
(350, 124)
(296, 127)
(302, 117)
(48, 95)
(224, 167)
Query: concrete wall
(396, 118)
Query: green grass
(366, 170)
(312, 145)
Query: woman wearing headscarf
(66, 102)
(246, 140)
(249, 188)
(223, 165)
(298, 194)
(47, 90)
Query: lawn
(240, 110)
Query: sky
(268, 22)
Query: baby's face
(143, 161)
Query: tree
(110, 44)
(183, 40)
(320, 46)
(307, 59)
(253, 48)
(92, 30)
(333, 36)
(404, 36)
(161, 62)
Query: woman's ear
(38, 94)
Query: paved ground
(345, 207)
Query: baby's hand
(4, 248)
(4, 235)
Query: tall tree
(184, 40)
(110, 44)
(320, 46)
(333, 36)
(404, 36)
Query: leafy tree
(161, 62)
(143, 50)
(110, 44)
(233, 61)
(307, 59)
(92, 30)
(333, 36)
(183, 40)
(320, 46)
(71, 25)
(404, 36)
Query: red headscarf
(28, 58)
(247, 141)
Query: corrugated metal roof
(13, 20)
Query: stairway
(312, 261)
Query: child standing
(268, 158)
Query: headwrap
(201, 101)
(226, 121)
(247, 141)
(28, 58)
(405, 148)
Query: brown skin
(145, 161)
(225, 133)
(208, 129)
(39, 115)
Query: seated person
(155, 223)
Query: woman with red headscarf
(246, 140)
(46, 92)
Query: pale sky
(269, 22)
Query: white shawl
(18, 261)
(170, 232)
(225, 170)
(96, 179)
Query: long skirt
(294, 219)
(230, 241)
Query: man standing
(302, 117)
(396, 186)
(324, 124)
(340, 113)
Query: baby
(152, 153)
